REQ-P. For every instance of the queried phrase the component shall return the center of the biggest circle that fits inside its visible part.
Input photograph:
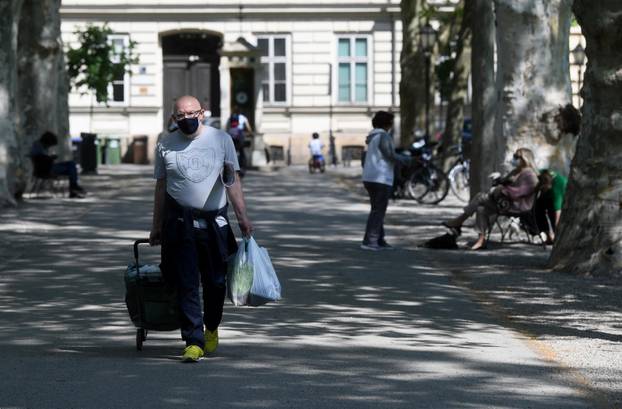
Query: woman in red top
(519, 187)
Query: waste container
(139, 147)
(88, 152)
(101, 150)
(113, 151)
(76, 141)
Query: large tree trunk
(590, 234)
(42, 82)
(533, 78)
(483, 102)
(459, 84)
(412, 63)
(8, 75)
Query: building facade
(291, 66)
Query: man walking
(196, 169)
(238, 126)
(378, 173)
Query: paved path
(354, 330)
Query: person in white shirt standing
(378, 173)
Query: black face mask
(188, 125)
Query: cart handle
(136, 243)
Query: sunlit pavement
(354, 329)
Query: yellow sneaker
(192, 353)
(211, 341)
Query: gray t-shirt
(193, 167)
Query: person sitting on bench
(44, 163)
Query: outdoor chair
(527, 223)
(43, 180)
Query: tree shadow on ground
(354, 329)
(580, 314)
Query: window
(352, 69)
(118, 90)
(275, 68)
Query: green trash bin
(113, 151)
(99, 146)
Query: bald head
(189, 115)
(187, 104)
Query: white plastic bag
(266, 286)
(240, 277)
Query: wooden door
(243, 92)
(182, 77)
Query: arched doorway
(191, 66)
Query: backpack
(234, 121)
(235, 132)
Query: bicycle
(426, 182)
(459, 175)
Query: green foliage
(96, 63)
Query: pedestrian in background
(378, 174)
(550, 202)
(44, 164)
(316, 147)
(238, 127)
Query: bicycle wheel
(417, 185)
(459, 181)
(429, 185)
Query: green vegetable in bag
(240, 278)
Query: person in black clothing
(45, 164)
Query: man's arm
(158, 211)
(248, 127)
(236, 196)
(558, 215)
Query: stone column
(225, 90)
(258, 156)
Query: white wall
(312, 29)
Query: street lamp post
(427, 39)
(578, 54)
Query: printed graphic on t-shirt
(196, 164)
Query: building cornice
(336, 109)
(123, 110)
(209, 11)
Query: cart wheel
(140, 337)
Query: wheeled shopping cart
(151, 303)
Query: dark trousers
(192, 257)
(545, 212)
(199, 266)
(379, 199)
(242, 159)
(67, 169)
